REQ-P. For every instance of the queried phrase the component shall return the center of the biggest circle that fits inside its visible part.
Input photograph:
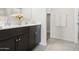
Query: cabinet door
(38, 34)
(32, 37)
(21, 43)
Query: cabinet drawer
(7, 45)
(6, 34)
(20, 31)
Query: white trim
(76, 24)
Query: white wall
(39, 15)
(2, 19)
(48, 10)
(27, 12)
(67, 32)
(36, 15)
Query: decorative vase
(19, 19)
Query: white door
(63, 22)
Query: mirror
(10, 20)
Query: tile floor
(58, 45)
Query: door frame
(76, 24)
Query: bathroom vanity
(20, 37)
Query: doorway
(48, 25)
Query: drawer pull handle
(18, 40)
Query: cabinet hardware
(19, 39)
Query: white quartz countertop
(17, 26)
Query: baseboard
(42, 44)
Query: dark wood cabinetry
(34, 36)
(8, 44)
(38, 34)
(22, 43)
(20, 39)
